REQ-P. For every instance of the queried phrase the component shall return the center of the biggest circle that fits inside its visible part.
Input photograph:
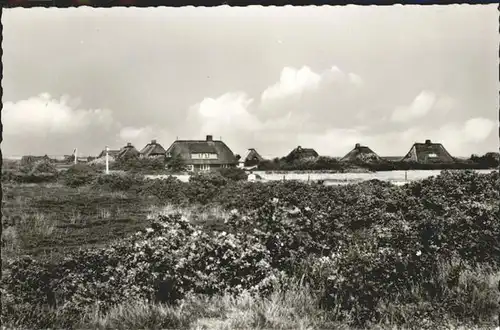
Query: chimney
(209, 138)
(357, 146)
(129, 144)
(153, 141)
(427, 142)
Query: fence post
(107, 160)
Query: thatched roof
(361, 153)
(129, 151)
(252, 155)
(153, 149)
(184, 149)
(428, 152)
(31, 159)
(301, 153)
(111, 153)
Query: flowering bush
(118, 182)
(358, 246)
(79, 175)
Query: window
(432, 156)
(205, 167)
(190, 168)
(204, 156)
(169, 154)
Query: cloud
(328, 118)
(420, 106)
(133, 133)
(478, 129)
(226, 113)
(292, 82)
(43, 124)
(42, 115)
(355, 79)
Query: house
(127, 152)
(302, 154)
(26, 160)
(152, 150)
(251, 158)
(111, 154)
(428, 152)
(202, 155)
(361, 153)
(82, 159)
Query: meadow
(119, 251)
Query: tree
(176, 164)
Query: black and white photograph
(312, 167)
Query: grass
(50, 219)
(291, 309)
(296, 307)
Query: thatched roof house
(251, 157)
(153, 149)
(361, 153)
(127, 152)
(302, 153)
(428, 152)
(111, 153)
(25, 160)
(202, 155)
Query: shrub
(43, 167)
(203, 187)
(140, 165)
(234, 174)
(168, 191)
(118, 182)
(176, 164)
(374, 252)
(79, 175)
(20, 177)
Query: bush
(203, 187)
(140, 165)
(374, 252)
(168, 191)
(234, 174)
(118, 182)
(79, 175)
(20, 177)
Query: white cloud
(445, 104)
(420, 106)
(355, 79)
(478, 129)
(45, 125)
(292, 82)
(43, 115)
(136, 134)
(227, 113)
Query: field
(118, 251)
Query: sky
(270, 78)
